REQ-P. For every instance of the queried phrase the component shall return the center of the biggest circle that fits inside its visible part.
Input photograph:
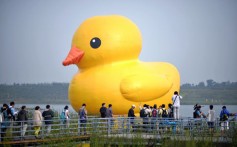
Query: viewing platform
(110, 130)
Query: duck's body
(110, 71)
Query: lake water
(185, 110)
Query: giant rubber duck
(106, 51)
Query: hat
(133, 105)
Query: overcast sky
(198, 37)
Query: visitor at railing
(211, 118)
(48, 115)
(6, 116)
(131, 115)
(103, 110)
(83, 118)
(176, 104)
(37, 121)
(22, 119)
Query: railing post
(79, 127)
(21, 130)
(129, 124)
(108, 126)
(190, 126)
(43, 129)
(1, 132)
(93, 126)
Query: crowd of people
(9, 114)
(172, 113)
(211, 116)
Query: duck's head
(103, 40)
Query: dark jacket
(103, 112)
(22, 116)
(131, 113)
(48, 116)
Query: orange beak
(74, 56)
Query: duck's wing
(142, 88)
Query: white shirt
(14, 112)
(67, 114)
(211, 115)
(176, 100)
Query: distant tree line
(211, 84)
(35, 93)
(210, 92)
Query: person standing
(6, 116)
(211, 118)
(109, 115)
(176, 104)
(159, 111)
(163, 112)
(198, 112)
(13, 111)
(22, 117)
(154, 116)
(170, 111)
(109, 112)
(37, 121)
(144, 114)
(131, 114)
(103, 110)
(224, 116)
(66, 116)
(48, 115)
(83, 118)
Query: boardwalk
(121, 127)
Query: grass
(199, 139)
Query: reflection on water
(185, 110)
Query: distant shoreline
(224, 93)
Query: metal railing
(19, 130)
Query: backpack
(62, 115)
(82, 114)
(164, 113)
(198, 114)
(12, 114)
(195, 114)
(224, 117)
(154, 113)
(143, 113)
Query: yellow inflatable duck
(106, 50)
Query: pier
(106, 129)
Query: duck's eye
(95, 42)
